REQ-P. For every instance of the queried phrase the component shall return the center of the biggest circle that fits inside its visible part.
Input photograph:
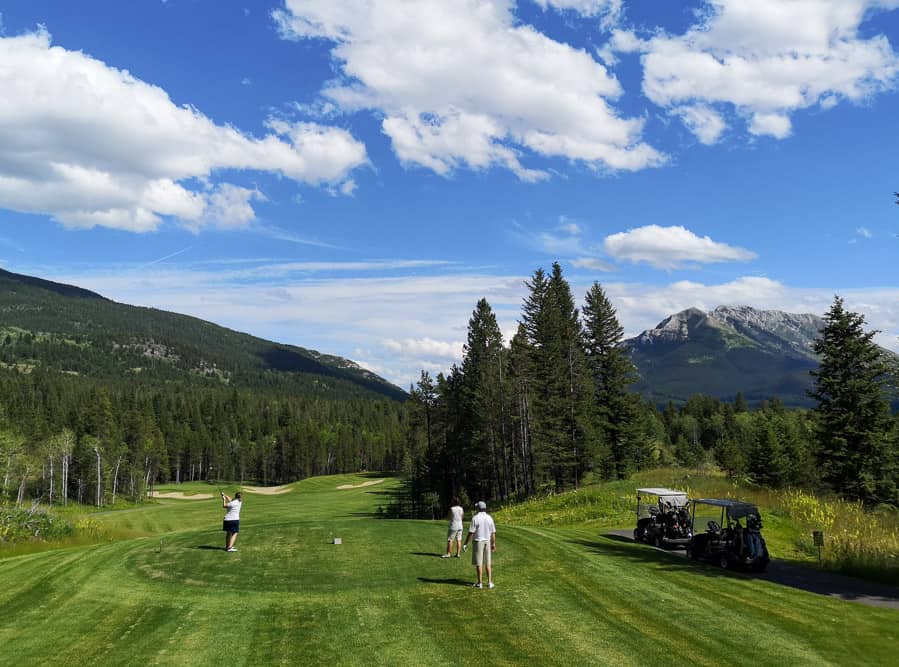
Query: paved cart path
(807, 579)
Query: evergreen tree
(767, 464)
(522, 459)
(855, 450)
(561, 436)
(617, 409)
(485, 456)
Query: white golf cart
(663, 518)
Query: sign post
(818, 538)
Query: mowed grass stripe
(564, 596)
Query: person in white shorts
(483, 530)
(454, 530)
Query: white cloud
(461, 84)
(707, 124)
(671, 247)
(775, 125)
(92, 145)
(427, 347)
(592, 263)
(569, 226)
(864, 232)
(766, 59)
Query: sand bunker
(268, 490)
(177, 495)
(358, 486)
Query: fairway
(384, 597)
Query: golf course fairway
(171, 595)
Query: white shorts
(481, 554)
(452, 534)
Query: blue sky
(353, 177)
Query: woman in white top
(454, 531)
(231, 522)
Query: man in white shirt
(454, 530)
(483, 530)
(231, 522)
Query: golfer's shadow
(209, 547)
(451, 582)
(426, 553)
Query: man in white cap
(483, 530)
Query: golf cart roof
(736, 508)
(661, 492)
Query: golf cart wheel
(658, 541)
(638, 535)
(723, 561)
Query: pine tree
(561, 435)
(522, 459)
(617, 410)
(855, 449)
(483, 396)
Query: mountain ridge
(73, 330)
(725, 351)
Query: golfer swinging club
(231, 523)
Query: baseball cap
(482, 505)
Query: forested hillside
(75, 331)
(99, 401)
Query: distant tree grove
(65, 439)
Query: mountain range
(731, 349)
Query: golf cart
(732, 536)
(663, 518)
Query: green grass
(565, 595)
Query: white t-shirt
(233, 513)
(482, 526)
(456, 513)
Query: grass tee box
(385, 597)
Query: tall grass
(602, 505)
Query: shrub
(18, 524)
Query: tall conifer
(856, 454)
(617, 410)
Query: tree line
(66, 439)
(553, 408)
